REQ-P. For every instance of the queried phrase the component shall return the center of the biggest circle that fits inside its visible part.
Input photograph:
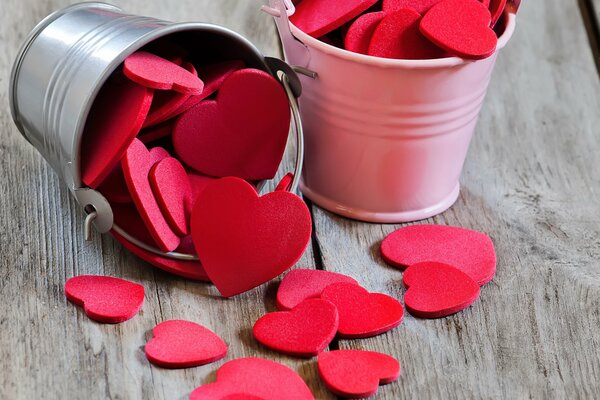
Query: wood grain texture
(531, 182)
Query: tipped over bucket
(386, 139)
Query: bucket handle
(296, 52)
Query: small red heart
(183, 344)
(436, 290)
(398, 36)
(496, 8)
(462, 27)
(254, 377)
(359, 34)
(303, 332)
(155, 72)
(242, 133)
(127, 216)
(136, 164)
(115, 119)
(363, 314)
(173, 192)
(317, 17)
(357, 374)
(104, 298)
(470, 251)
(244, 240)
(166, 102)
(301, 284)
(420, 6)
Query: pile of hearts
(404, 29)
(177, 147)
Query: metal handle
(295, 125)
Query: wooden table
(531, 181)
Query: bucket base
(379, 217)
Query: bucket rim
(446, 62)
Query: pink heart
(357, 373)
(304, 331)
(104, 298)
(242, 133)
(184, 344)
(244, 240)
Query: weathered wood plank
(49, 348)
(531, 181)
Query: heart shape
(303, 332)
(137, 163)
(462, 27)
(357, 373)
(317, 17)
(256, 377)
(301, 284)
(398, 36)
(127, 216)
(173, 193)
(155, 72)
(436, 290)
(242, 133)
(104, 298)
(359, 34)
(183, 344)
(470, 251)
(244, 240)
(115, 118)
(363, 314)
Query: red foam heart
(357, 374)
(137, 163)
(470, 251)
(114, 188)
(156, 132)
(462, 27)
(243, 133)
(301, 284)
(127, 217)
(304, 331)
(363, 314)
(359, 34)
(420, 6)
(155, 72)
(436, 290)
(115, 119)
(496, 8)
(398, 36)
(254, 377)
(104, 298)
(183, 344)
(166, 102)
(173, 192)
(244, 240)
(317, 17)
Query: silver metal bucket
(68, 57)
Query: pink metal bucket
(385, 139)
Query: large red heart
(244, 240)
(115, 119)
(357, 373)
(304, 331)
(318, 17)
(470, 251)
(184, 344)
(462, 27)
(242, 133)
(256, 377)
(436, 290)
(104, 298)
(363, 314)
(301, 284)
(137, 163)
